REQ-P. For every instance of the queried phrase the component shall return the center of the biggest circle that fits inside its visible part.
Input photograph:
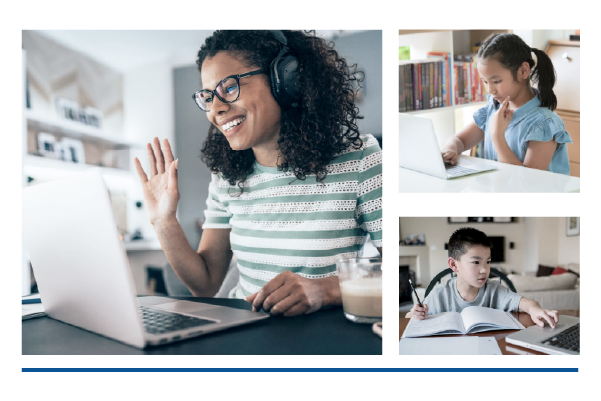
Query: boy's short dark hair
(465, 238)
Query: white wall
(438, 231)
(148, 102)
(554, 247)
(531, 246)
(547, 241)
(538, 38)
(537, 240)
(148, 113)
(568, 247)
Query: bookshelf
(99, 148)
(453, 117)
(110, 151)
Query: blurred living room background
(539, 255)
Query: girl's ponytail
(544, 74)
(511, 51)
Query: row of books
(466, 81)
(426, 84)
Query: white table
(507, 178)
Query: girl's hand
(160, 191)
(501, 119)
(450, 157)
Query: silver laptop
(419, 151)
(564, 339)
(83, 274)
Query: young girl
(518, 125)
(295, 186)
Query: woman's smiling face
(252, 121)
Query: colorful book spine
(431, 98)
(466, 83)
(410, 87)
(446, 92)
(408, 90)
(424, 87)
(402, 91)
(455, 85)
(426, 84)
(440, 85)
(435, 85)
(415, 86)
(470, 87)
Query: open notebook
(473, 319)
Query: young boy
(469, 257)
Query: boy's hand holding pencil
(419, 310)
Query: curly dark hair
(321, 126)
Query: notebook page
(474, 315)
(446, 322)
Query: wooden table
(499, 335)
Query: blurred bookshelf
(444, 55)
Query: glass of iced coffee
(361, 288)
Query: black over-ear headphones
(283, 73)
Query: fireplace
(404, 288)
(418, 260)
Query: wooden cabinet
(571, 121)
(565, 56)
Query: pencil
(415, 292)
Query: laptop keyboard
(568, 339)
(456, 171)
(159, 322)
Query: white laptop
(564, 339)
(83, 274)
(419, 151)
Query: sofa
(555, 291)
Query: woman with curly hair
(295, 186)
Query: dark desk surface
(499, 335)
(326, 332)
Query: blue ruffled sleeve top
(529, 123)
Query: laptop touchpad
(185, 306)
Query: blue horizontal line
(262, 370)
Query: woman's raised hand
(160, 191)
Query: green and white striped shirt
(279, 223)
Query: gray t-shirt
(446, 298)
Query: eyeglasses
(227, 90)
